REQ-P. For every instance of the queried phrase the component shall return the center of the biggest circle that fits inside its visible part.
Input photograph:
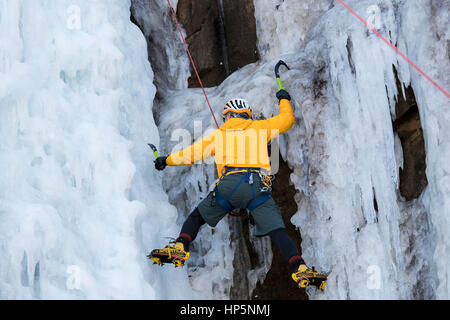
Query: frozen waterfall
(81, 204)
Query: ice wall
(352, 220)
(166, 51)
(282, 25)
(80, 204)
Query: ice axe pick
(155, 151)
(277, 73)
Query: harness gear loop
(266, 181)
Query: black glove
(283, 94)
(160, 163)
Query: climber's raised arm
(281, 122)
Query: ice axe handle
(277, 73)
(155, 151)
(280, 85)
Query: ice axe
(277, 73)
(155, 151)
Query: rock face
(413, 179)
(221, 37)
(201, 20)
(245, 257)
(240, 32)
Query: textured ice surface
(80, 204)
(282, 26)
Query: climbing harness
(256, 201)
(192, 61)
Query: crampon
(305, 277)
(173, 253)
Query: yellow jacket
(238, 143)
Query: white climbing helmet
(237, 106)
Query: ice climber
(241, 155)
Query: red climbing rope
(192, 61)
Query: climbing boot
(305, 277)
(170, 254)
